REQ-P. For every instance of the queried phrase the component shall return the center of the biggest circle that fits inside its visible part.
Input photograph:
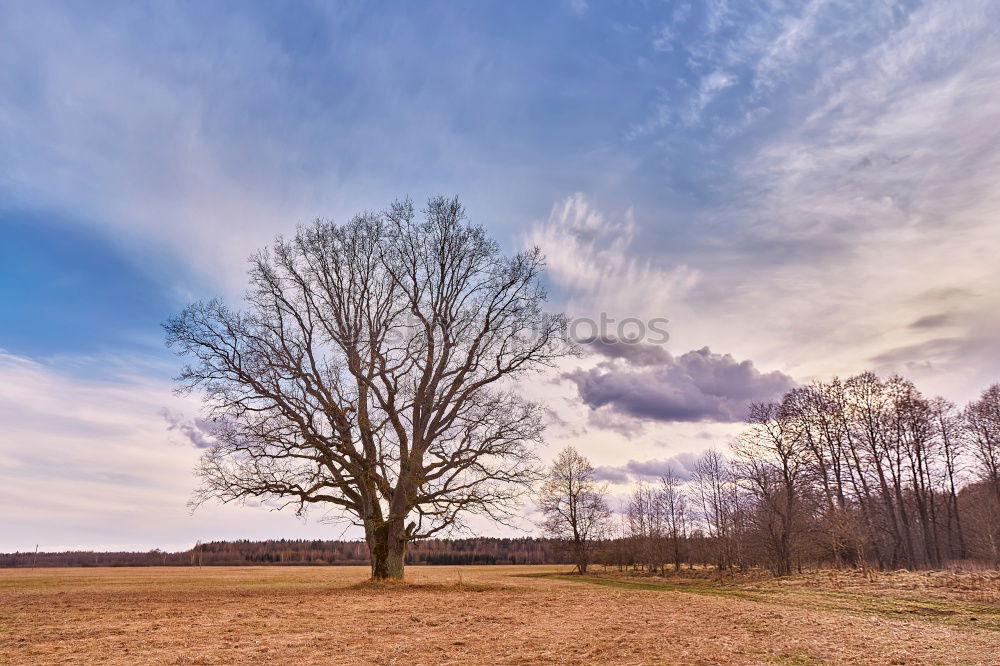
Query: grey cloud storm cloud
(933, 321)
(700, 385)
(611, 474)
(197, 431)
(682, 466)
(633, 353)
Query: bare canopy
(371, 372)
(574, 506)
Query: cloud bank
(651, 384)
(680, 465)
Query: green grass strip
(957, 614)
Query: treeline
(479, 550)
(863, 472)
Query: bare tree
(771, 463)
(574, 505)
(982, 431)
(816, 411)
(982, 424)
(371, 372)
(716, 493)
(673, 499)
(646, 525)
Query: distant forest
(479, 550)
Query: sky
(800, 189)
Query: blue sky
(806, 187)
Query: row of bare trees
(863, 472)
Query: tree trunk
(388, 550)
(580, 555)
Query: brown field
(461, 615)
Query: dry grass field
(461, 615)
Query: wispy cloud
(591, 257)
(200, 432)
(811, 185)
(855, 162)
(92, 461)
(708, 89)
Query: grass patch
(953, 613)
(797, 659)
(658, 586)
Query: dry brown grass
(967, 586)
(456, 615)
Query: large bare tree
(372, 372)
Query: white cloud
(858, 197)
(856, 175)
(90, 463)
(592, 258)
(194, 145)
(885, 191)
(708, 89)
(578, 7)
(105, 133)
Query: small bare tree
(371, 373)
(574, 505)
(644, 515)
(982, 424)
(947, 422)
(714, 491)
(674, 502)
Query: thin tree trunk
(582, 560)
